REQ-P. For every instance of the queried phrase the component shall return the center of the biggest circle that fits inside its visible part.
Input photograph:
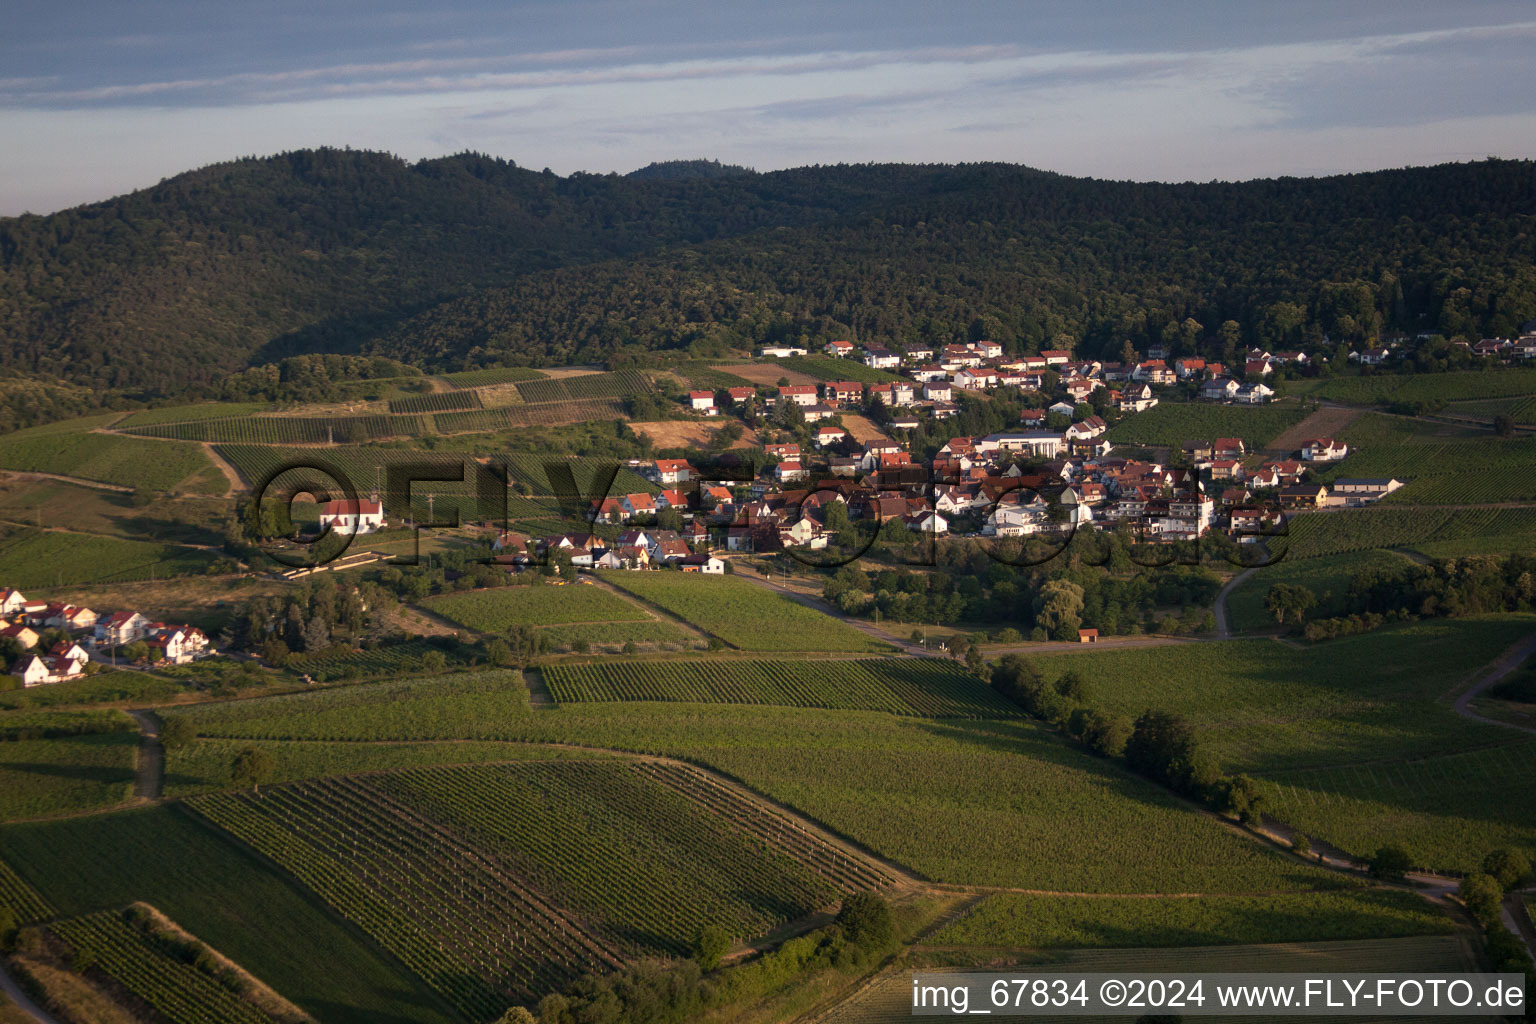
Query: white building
(352, 515)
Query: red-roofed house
(352, 515)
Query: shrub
(1508, 867)
(866, 920)
(710, 946)
(1483, 896)
(1390, 863)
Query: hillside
(467, 261)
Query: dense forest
(468, 260)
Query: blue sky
(98, 97)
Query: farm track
(237, 483)
(78, 481)
(149, 765)
(1223, 631)
(21, 1000)
(1326, 421)
(656, 611)
(1507, 663)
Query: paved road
(14, 993)
(149, 772)
(1507, 663)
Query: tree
(1483, 896)
(177, 732)
(1503, 425)
(710, 946)
(1163, 747)
(1241, 798)
(866, 920)
(434, 661)
(518, 1015)
(1073, 686)
(1390, 863)
(274, 652)
(1509, 867)
(1106, 735)
(252, 766)
(1300, 844)
(498, 652)
(1284, 600)
(1059, 608)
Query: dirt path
(1326, 421)
(149, 768)
(236, 483)
(1517, 920)
(1507, 663)
(79, 481)
(1223, 631)
(538, 693)
(14, 993)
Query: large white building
(349, 515)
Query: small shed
(1087, 636)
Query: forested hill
(469, 260)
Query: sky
(100, 97)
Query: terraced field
(442, 401)
(492, 376)
(1173, 423)
(70, 448)
(585, 387)
(926, 687)
(26, 901)
(1435, 531)
(289, 430)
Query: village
(53, 642)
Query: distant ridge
(686, 170)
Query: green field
(47, 558)
(1267, 707)
(70, 449)
(704, 373)
(442, 401)
(491, 376)
(971, 802)
(1327, 578)
(284, 430)
(744, 615)
(1066, 922)
(1439, 532)
(595, 385)
(1173, 423)
(59, 776)
(500, 608)
(612, 636)
(928, 687)
(26, 901)
(1446, 811)
(221, 892)
(1448, 471)
(106, 686)
(1380, 389)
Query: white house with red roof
(673, 471)
(702, 401)
(352, 515)
(121, 628)
(840, 349)
(1323, 449)
(11, 601)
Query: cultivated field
(743, 615)
(496, 375)
(1442, 532)
(688, 433)
(499, 609)
(31, 557)
(1173, 423)
(767, 374)
(72, 449)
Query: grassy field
(743, 614)
(125, 461)
(32, 558)
(59, 776)
(1380, 389)
(105, 687)
(975, 802)
(1173, 423)
(225, 895)
(494, 375)
(612, 636)
(904, 687)
(1439, 532)
(500, 608)
(1327, 578)
(189, 413)
(1448, 471)
(1064, 922)
(1446, 811)
(1268, 707)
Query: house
(1364, 490)
(741, 395)
(927, 522)
(1227, 469)
(830, 435)
(1304, 496)
(1370, 356)
(672, 498)
(1153, 371)
(120, 628)
(928, 373)
(707, 564)
(788, 472)
(953, 357)
(35, 670)
(638, 505)
(68, 616)
(781, 351)
(977, 378)
(817, 412)
(1253, 394)
(1220, 389)
(1229, 448)
(1086, 429)
(1034, 417)
(180, 644)
(1087, 636)
(1323, 449)
(938, 391)
(1189, 368)
(348, 516)
(673, 471)
(903, 422)
(1135, 398)
(1040, 443)
(1257, 368)
(843, 391)
(22, 634)
(880, 358)
(1490, 347)
(800, 394)
(11, 601)
(986, 349)
(840, 349)
(703, 401)
(1062, 409)
(783, 451)
(1056, 357)
(918, 353)
(1081, 389)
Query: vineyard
(181, 992)
(645, 853)
(1521, 410)
(560, 413)
(285, 430)
(1329, 533)
(477, 421)
(56, 776)
(701, 373)
(1449, 471)
(26, 901)
(126, 461)
(494, 375)
(442, 401)
(743, 615)
(500, 608)
(1360, 807)
(455, 915)
(1173, 423)
(188, 413)
(833, 368)
(612, 636)
(341, 661)
(587, 386)
(50, 558)
(924, 687)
